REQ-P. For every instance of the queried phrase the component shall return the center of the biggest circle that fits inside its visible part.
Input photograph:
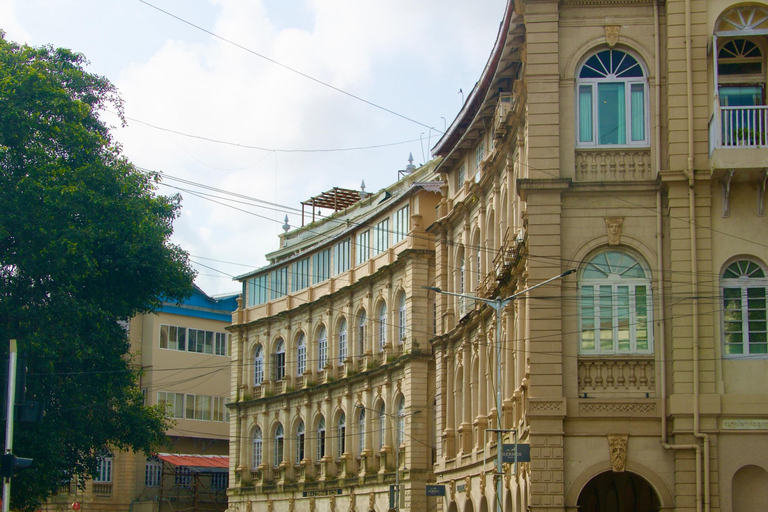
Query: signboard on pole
(435, 490)
(523, 452)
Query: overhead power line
(292, 70)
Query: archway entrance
(618, 492)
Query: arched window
(342, 340)
(615, 309)
(743, 286)
(361, 325)
(279, 444)
(258, 366)
(361, 431)
(400, 422)
(611, 100)
(402, 324)
(382, 420)
(322, 348)
(278, 365)
(300, 437)
(342, 434)
(257, 448)
(321, 438)
(382, 325)
(301, 355)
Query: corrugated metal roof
(196, 461)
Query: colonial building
(332, 362)
(182, 351)
(625, 141)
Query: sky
(249, 107)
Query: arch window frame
(257, 450)
(402, 317)
(301, 354)
(341, 431)
(258, 365)
(279, 445)
(322, 348)
(382, 325)
(744, 291)
(320, 438)
(615, 305)
(361, 431)
(278, 364)
(400, 438)
(382, 419)
(362, 320)
(607, 78)
(343, 341)
(301, 440)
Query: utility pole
(10, 400)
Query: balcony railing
(731, 127)
(630, 376)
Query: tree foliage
(84, 243)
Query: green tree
(84, 244)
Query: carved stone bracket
(726, 184)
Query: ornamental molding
(538, 407)
(744, 424)
(614, 408)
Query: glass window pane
(610, 113)
(638, 112)
(585, 113)
(606, 319)
(588, 318)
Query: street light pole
(498, 306)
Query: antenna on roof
(286, 226)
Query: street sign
(435, 490)
(523, 452)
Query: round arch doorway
(618, 492)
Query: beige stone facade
(182, 351)
(624, 141)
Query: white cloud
(410, 57)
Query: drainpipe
(689, 173)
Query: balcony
(738, 137)
(617, 377)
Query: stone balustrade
(617, 377)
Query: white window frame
(401, 226)
(343, 341)
(321, 438)
(342, 434)
(322, 348)
(402, 319)
(341, 256)
(279, 360)
(153, 472)
(173, 403)
(258, 366)
(257, 448)
(321, 266)
(279, 440)
(299, 275)
(301, 354)
(382, 325)
(361, 432)
(363, 252)
(103, 469)
(627, 315)
(611, 78)
(381, 237)
(301, 438)
(752, 286)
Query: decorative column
(449, 433)
(481, 421)
(466, 396)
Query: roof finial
(410, 167)
(363, 193)
(286, 226)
